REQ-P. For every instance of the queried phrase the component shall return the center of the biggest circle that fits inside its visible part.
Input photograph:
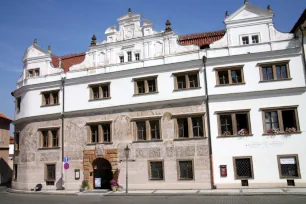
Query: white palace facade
(221, 109)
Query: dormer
(250, 25)
(147, 27)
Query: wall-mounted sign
(98, 182)
(66, 166)
(77, 174)
(223, 171)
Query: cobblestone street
(8, 198)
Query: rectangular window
(243, 168)
(274, 71)
(16, 139)
(50, 98)
(245, 40)
(121, 58)
(185, 170)
(288, 166)
(129, 54)
(141, 130)
(229, 76)
(234, 123)
(281, 120)
(33, 72)
(100, 133)
(147, 130)
(190, 126)
(49, 138)
(99, 91)
(15, 172)
(255, 39)
(18, 104)
(145, 85)
(137, 56)
(186, 80)
(50, 172)
(94, 134)
(156, 171)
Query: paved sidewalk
(216, 192)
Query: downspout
(204, 59)
(63, 117)
(303, 50)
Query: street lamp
(126, 152)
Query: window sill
(48, 148)
(143, 94)
(43, 106)
(99, 99)
(147, 141)
(221, 85)
(190, 138)
(234, 136)
(290, 178)
(105, 143)
(186, 89)
(281, 133)
(274, 80)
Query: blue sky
(67, 25)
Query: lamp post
(126, 152)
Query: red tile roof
(12, 141)
(68, 60)
(5, 117)
(201, 39)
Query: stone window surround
(148, 132)
(15, 168)
(186, 73)
(91, 86)
(149, 170)
(280, 120)
(234, 122)
(100, 132)
(46, 172)
(51, 102)
(50, 137)
(178, 169)
(18, 104)
(273, 65)
(35, 72)
(16, 140)
(235, 168)
(189, 115)
(235, 67)
(297, 164)
(145, 79)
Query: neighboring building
(146, 89)
(11, 152)
(5, 170)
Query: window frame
(280, 119)
(100, 135)
(250, 39)
(129, 56)
(148, 129)
(187, 82)
(121, 59)
(150, 171)
(16, 141)
(15, 172)
(229, 70)
(190, 125)
(34, 72)
(51, 98)
(101, 95)
(297, 165)
(18, 104)
(146, 85)
(50, 137)
(46, 172)
(273, 66)
(178, 169)
(137, 56)
(235, 168)
(233, 114)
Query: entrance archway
(102, 173)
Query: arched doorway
(102, 173)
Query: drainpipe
(303, 50)
(204, 59)
(63, 116)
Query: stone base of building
(282, 184)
